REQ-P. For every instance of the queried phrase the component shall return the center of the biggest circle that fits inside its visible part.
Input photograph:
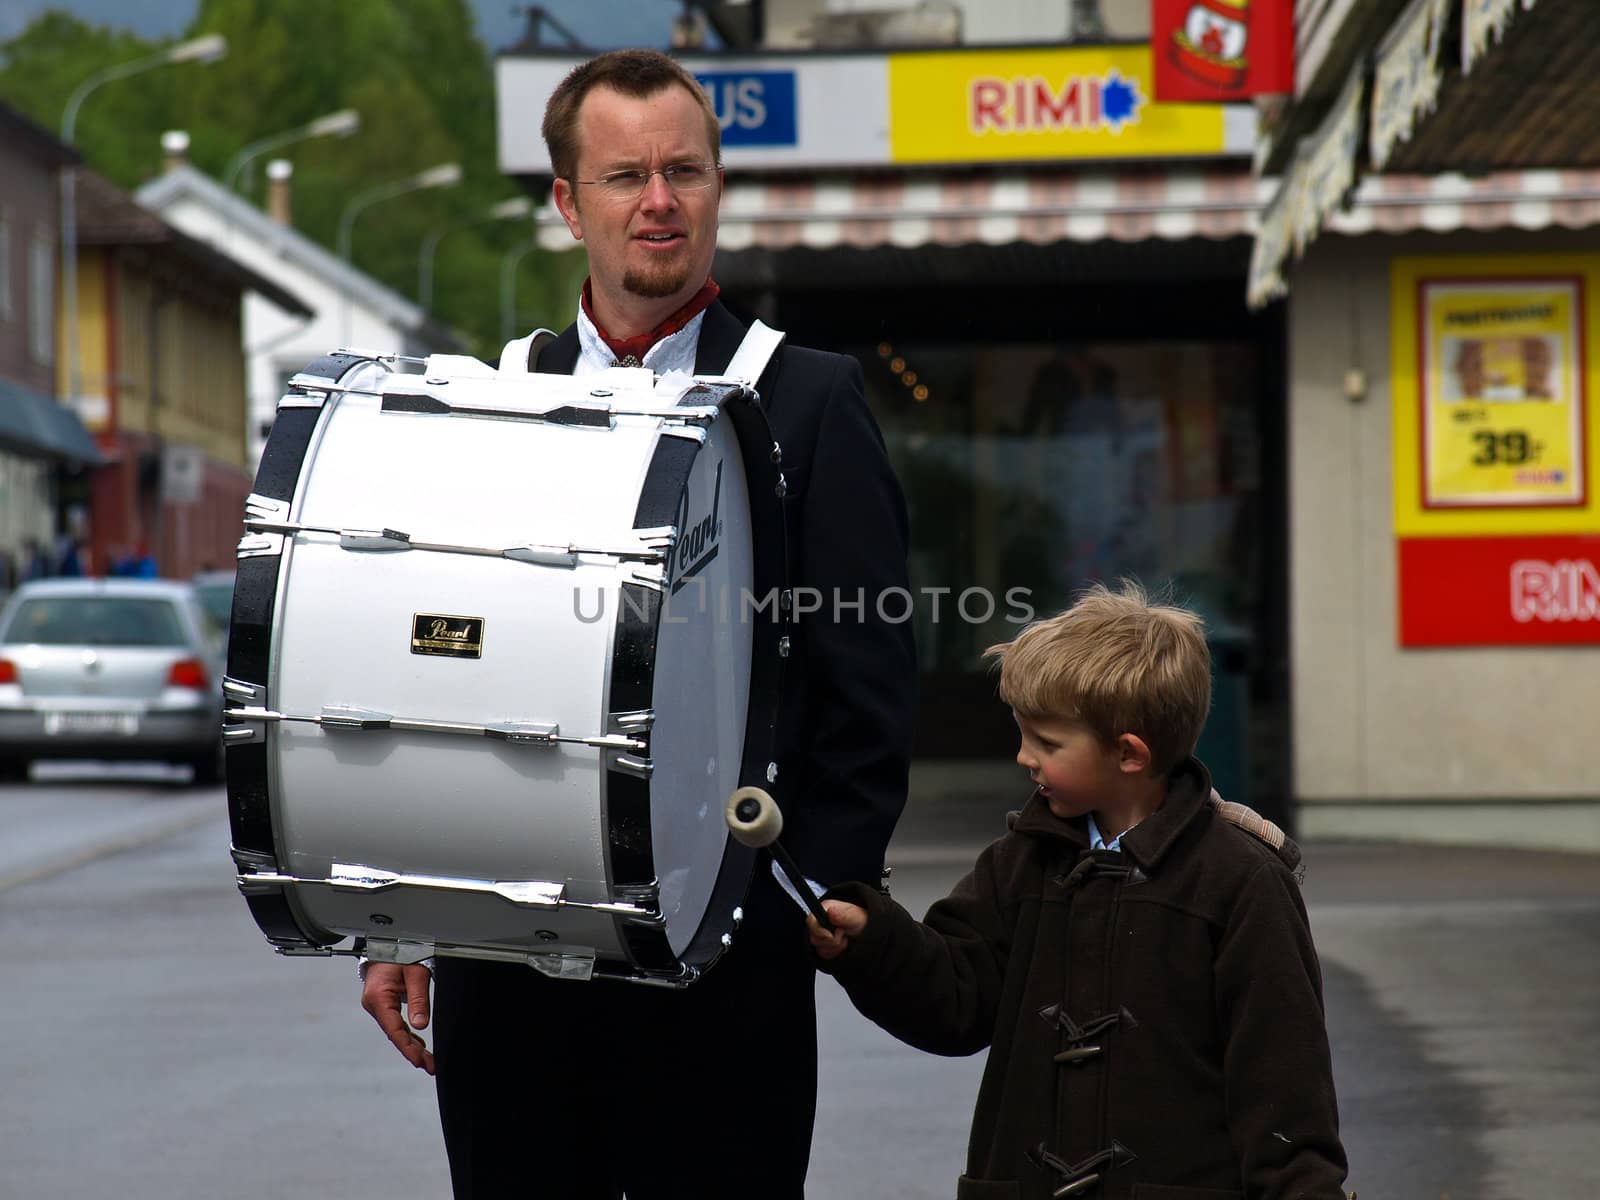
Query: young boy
(1139, 964)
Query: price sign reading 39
(1502, 379)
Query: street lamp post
(508, 287)
(507, 210)
(443, 175)
(336, 124)
(206, 49)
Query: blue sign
(754, 108)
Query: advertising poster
(1502, 392)
(1497, 531)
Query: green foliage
(414, 69)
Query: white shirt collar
(673, 353)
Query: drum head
(702, 682)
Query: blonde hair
(1119, 664)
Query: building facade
(344, 306)
(44, 449)
(162, 385)
(1431, 243)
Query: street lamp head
(337, 124)
(207, 49)
(513, 209)
(444, 175)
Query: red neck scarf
(639, 344)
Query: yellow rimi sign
(1491, 383)
(1083, 103)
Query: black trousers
(592, 1091)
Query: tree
(414, 69)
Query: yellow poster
(1502, 392)
(1076, 103)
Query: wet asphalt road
(155, 1047)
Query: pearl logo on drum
(446, 636)
(697, 540)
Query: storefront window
(1033, 470)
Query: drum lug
(298, 950)
(657, 541)
(256, 543)
(646, 896)
(337, 716)
(250, 695)
(693, 433)
(244, 693)
(401, 953)
(642, 767)
(654, 578)
(374, 539)
(639, 721)
(564, 964)
(302, 399)
(528, 733)
(244, 735)
(251, 862)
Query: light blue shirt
(1096, 842)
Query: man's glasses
(629, 185)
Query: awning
(1135, 205)
(38, 426)
(1446, 203)
(1039, 207)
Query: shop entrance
(1050, 437)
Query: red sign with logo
(1499, 591)
(1221, 51)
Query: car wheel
(13, 769)
(208, 767)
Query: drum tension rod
(527, 893)
(516, 733)
(651, 545)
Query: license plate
(115, 724)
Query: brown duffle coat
(1154, 1014)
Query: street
(157, 1048)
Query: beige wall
(1384, 736)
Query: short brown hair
(1118, 663)
(637, 73)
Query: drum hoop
(258, 582)
(627, 797)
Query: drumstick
(755, 820)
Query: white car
(109, 669)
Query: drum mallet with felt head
(755, 820)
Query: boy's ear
(1133, 756)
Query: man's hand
(848, 922)
(387, 986)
